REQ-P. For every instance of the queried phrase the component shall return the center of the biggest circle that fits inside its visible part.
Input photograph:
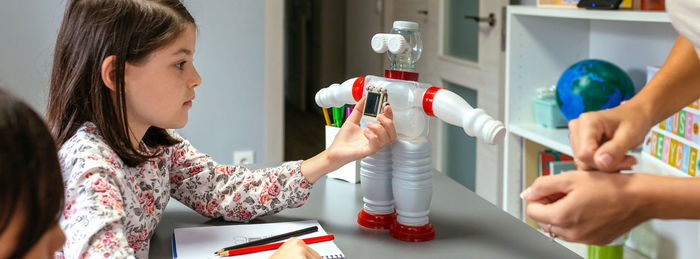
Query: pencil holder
(349, 172)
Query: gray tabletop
(466, 226)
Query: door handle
(491, 19)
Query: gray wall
(228, 111)
(227, 114)
(28, 30)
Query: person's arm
(233, 192)
(669, 197)
(600, 140)
(675, 85)
(596, 208)
(352, 143)
(93, 217)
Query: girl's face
(159, 91)
(45, 248)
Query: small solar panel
(373, 104)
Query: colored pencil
(271, 239)
(260, 248)
(325, 116)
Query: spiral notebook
(201, 242)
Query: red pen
(255, 249)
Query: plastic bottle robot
(397, 180)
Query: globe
(592, 85)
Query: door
(465, 55)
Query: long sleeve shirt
(112, 210)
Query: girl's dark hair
(91, 31)
(30, 176)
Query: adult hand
(295, 248)
(600, 140)
(353, 142)
(588, 207)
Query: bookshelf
(540, 44)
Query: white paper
(202, 242)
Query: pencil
(325, 116)
(271, 239)
(336, 114)
(255, 249)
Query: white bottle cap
(406, 25)
(378, 43)
(397, 44)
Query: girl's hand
(588, 207)
(353, 142)
(295, 248)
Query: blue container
(547, 112)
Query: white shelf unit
(540, 44)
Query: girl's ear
(109, 72)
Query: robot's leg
(375, 176)
(413, 189)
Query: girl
(122, 75)
(31, 192)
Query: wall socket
(242, 157)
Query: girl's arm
(352, 143)
(93, 217)
(238, 194)
(233, 192)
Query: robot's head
(403, 44)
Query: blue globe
(592, 85)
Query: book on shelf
(558, 167)
(545, 157)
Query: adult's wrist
(644, 196)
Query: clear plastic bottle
(411, 46)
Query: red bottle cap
(375, 221)
(357, 87)
(428, 97)
(412, 233)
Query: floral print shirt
(112, 210)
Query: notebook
(202, 242)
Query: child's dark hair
(91, 31)
(30, 176)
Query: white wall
(228, 112)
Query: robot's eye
(373, 104)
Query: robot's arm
(336, 95)
(451, 108)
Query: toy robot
(397, 180)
